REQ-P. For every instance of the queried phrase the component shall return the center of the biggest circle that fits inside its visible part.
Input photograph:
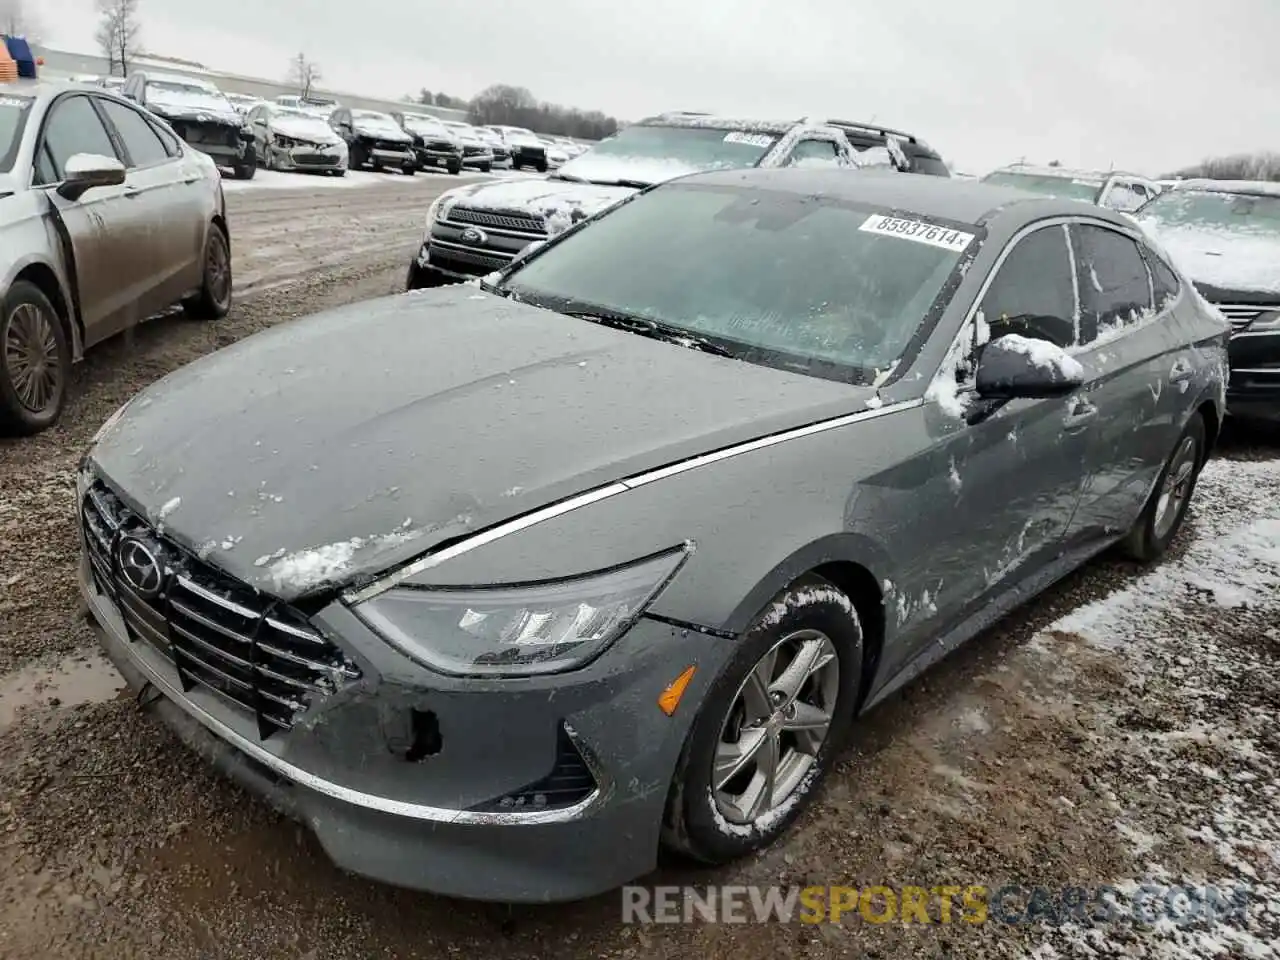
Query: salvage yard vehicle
(107, 218)
(1125, 192)
(477, 152)
(288, 138)
(243, 102)
(879, 412)
(482, 227)
(526, 149)
(375, 139)
(435, 146)
(199, 114)
(1226, 235)
(501, 152)
(910, 153)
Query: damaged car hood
(171, 103)
(323, 451)
(560, 203)
(305, 128)
(1244, 261)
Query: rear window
(13, 120)
(825, 288)
(1068, 188)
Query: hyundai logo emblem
(475, 235)
(140, 568)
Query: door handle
(1182, 370)
(132, 192)
(1079, 413)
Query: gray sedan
(106, 218)
(500, 589)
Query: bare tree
(118, 30)
(17, 21)
(304, 74)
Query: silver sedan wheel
(776, 725)
(218, 269)
(31, 357)
(1176, 488)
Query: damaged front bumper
(318, 158)
(534, 789)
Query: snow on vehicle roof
(1066, 173)
(183, 81)
(1258, 188)
(714, 122)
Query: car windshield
(829, 289)
(295, 112)
(424, 125)
(372, 115)
(1069, 188)
(1234, 212)
(13, 119)
(700, 148)
(185, 89)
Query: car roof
(179, 78)
(1254, 188)
(945, 198)
(719, 122)
(1067, 173)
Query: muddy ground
(1121, 729)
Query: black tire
(516, 165)
(213, 302)
(1151, 535)
(340, 173)
(409, 169)
(694, 825)
(355, 157)
(267, 162)
(542, 166)
(22, 414)
(247, 167)
(486, 167)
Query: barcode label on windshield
(919, 231)
(750, 139)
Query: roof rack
(874, 128)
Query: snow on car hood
(1241, 261)
(181, 103)
(560, 203)
(305, 128)
(328, 449)
(603, 168)
(382, 129)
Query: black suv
(200, 114)
(374, 138)
(919, 156)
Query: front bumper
(1254, 389)
(392, 157)
(308, 158)
(437, 822)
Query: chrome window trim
(523, 522)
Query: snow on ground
(1199, 730)
(355, 179)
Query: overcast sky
(1143, 84)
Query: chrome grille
(1242, 314)
(255, 653)
(506, 221)
(467, 261)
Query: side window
(140, 138)
(1164, 281)
(73, 127)
(809, 153)
(1115, 288)
(171, 144)
(1033, 293)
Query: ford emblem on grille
(140, 567)
(475, 235)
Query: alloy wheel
(776, 725)
(1176, 488)
(218, 268)
(31, 357)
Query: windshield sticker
(13, 102)
(750, 139)
(919, 231)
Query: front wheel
(35, 361)
(542, 166)
(768, 731)
(486, 167)
(247, 166)
(213, 302)
(1166, 510)
(355, 157)
(409, 168)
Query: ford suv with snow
(477, 229)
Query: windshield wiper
(652, 328)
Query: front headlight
(518, 631)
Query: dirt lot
(1121, 730)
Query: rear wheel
(35, 365)
(213, 302)
(355, 156)
(486, 167)
(542, 166)
(247, 167)
(454, 167)
(768, 731)
(1165, 512)
(409, 168)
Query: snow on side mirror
(1014, 367)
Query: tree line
(513, 106)
(1264, 165)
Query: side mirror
(88, 170)
(1015, 367)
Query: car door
(166, 199)
(103, 226)
(1009, 475)
(1132, 352)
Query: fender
(73, 291)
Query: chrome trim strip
(1256, 333)
(478, 251)
(381, 585)
(1272, 371)
(192, 587)
(368, 801)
